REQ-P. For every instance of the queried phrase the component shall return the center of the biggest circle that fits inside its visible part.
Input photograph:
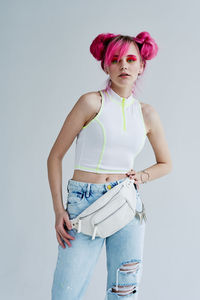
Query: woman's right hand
(62, 221)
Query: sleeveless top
(110, 142)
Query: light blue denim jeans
(124, 250)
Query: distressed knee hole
(126, 268)
(124, 290)
(129, 268)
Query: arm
(72, 125)
(158, 142)
(81, 112)
(79, 115)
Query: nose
(123, 65)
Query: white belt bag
(109, 213)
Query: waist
(91, 177)
(78, 186)
(77, 183)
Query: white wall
(45, 65)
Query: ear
(141, 68)
(106, 70)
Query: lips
(124, 74)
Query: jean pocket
(75, 197)
(76, 203)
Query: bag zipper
(97, 209)
(95, 225)
(110, 214)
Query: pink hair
(105, 45)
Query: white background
(45, 66)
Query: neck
(123, 92)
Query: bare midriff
(91, 177)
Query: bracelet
(141, 176)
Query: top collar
(115, 97)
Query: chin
(126, 83)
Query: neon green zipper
(123, 112)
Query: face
(129, 63)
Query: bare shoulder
(150, 115)
(85, 109)
(90, 105)
(91, 99)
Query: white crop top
(110, 142)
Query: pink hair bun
(149, 47)
(98, 45)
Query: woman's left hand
(134, 175)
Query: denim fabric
(124, 250)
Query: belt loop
(88, 190)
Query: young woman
(111, 126)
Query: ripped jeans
(124, 250)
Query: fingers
(63, 235)
(59, 240)
(62, 225)
(130, 175)
(68, 223)
(131, 172)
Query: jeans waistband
(87, 187)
